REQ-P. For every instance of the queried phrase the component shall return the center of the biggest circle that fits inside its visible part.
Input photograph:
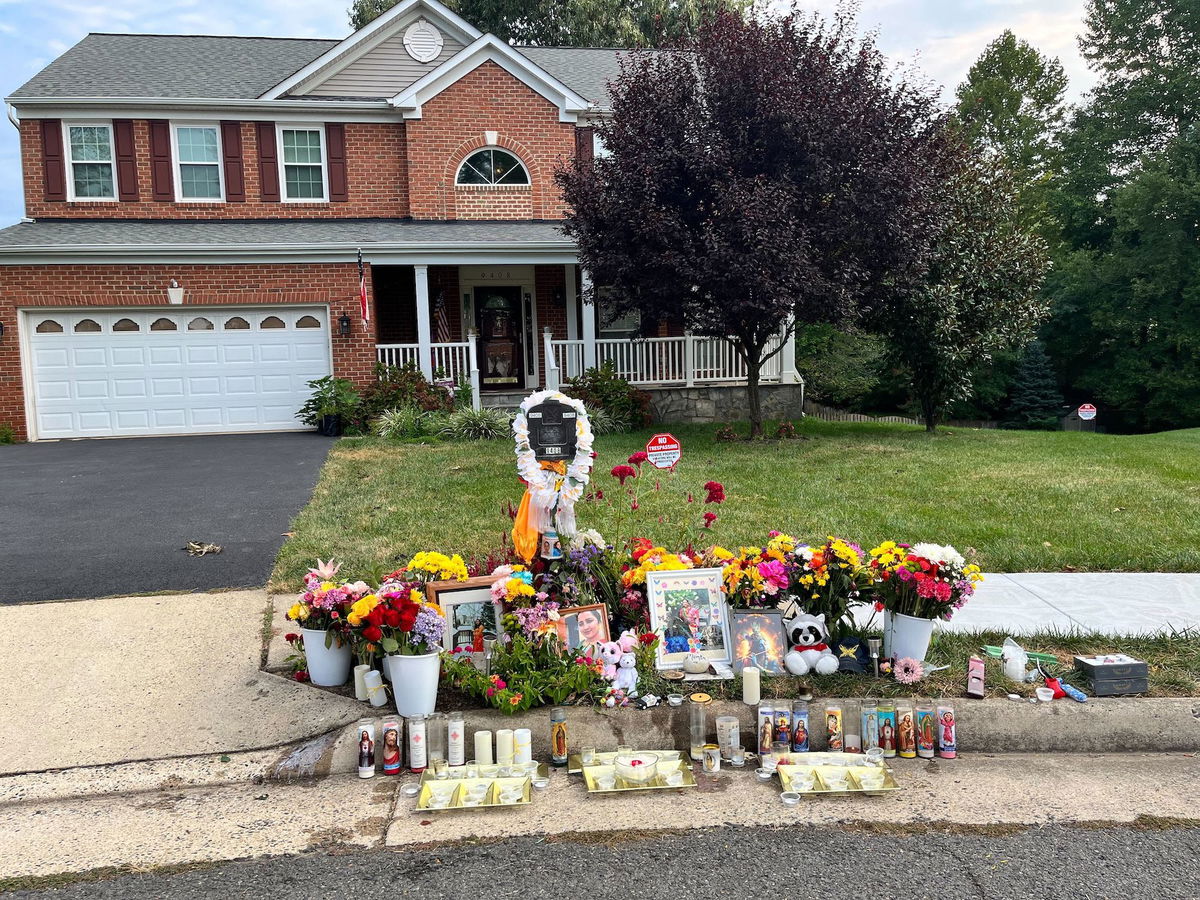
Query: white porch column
(589, 321)
(787, 355)
(571, 301)
(424, 334)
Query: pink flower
(908, 671)
(774, 576)
(621, 473)
(942, 591)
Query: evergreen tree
(1034, 399)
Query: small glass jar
(435, 736)
(727, 734)
(441, 769)
(780, 751)
(587, 755)
(737, 756)
(698, 729)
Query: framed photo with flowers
(759, 640)
(472, 616)
(584, 627)
(689, 613)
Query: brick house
(196, 207)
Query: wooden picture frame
(452, 597)
(571, 634)
(759, 640)
(672, 596)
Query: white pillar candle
(483, 748)
(751, 686)
(360, 682)
(504, 747)
(376, 692)
(522, 746)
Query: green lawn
(1027, 501)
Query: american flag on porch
(363, 307)
(441, 320)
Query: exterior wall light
(174, 292)
(344, 325)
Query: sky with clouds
(943, 37)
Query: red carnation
(716, 492)
(638, 458)
(623, 472)
(291, 636)
(372, 633)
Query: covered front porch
(514, 328)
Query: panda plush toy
(810, 653)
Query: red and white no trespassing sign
(1087, 411)
(663, 451)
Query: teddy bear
(810, 653)
(627, 675)
(628, 641)
(610, 652)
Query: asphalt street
(98, 518)
(759, 863)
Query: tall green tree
(1035, 401)
(575, 23)
(776, 173)
(980, 294)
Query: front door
(500, 321)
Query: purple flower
(428, 627)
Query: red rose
(372, 633)
(392, 618)
(375, 616)
(648, 637)
(408, 617)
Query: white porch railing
(454, 362)
(684, 360)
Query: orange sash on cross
(524, 532)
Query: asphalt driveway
(98, 518)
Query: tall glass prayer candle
(765, 730)
(365, 730)
(926, 731)
(727, 735)
(558, 736)
(887, 728)
(947, 730)
(392, 750)
(483, 748)
(906, 731)
(834, 734)
(504, 747)
(800, 742)
(435, 736)
(417, 755)
(870, 726)
(851, 727)
(456, 739)
(697, 729)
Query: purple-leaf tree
(774, 170)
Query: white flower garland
(552, 494)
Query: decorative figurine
(810, 652)
(947, 733)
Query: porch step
(507, 400)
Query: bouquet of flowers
(926, 581)
(753, 577)
(513, 586)
(403, 622)
(429, 566)
(828, 580)
(324, 605)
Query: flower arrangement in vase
(322, 611)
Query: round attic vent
(422, 41)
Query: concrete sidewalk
(92, 682)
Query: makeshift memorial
(766, 727)
(391, 747)
(926, 731)
(851, 728)
(758, 640)
(409, 629)
(483, 748)
(834, 738)
(751, 686)
(366, 748)
(688, 609)
(810, 652)
(914, 586)
(800, 740)
(906, 731)
(554, 459)
(887, 728)
(376, 690)
(472, 616)
(870, 726)
(947, 733)
(417, 757)
(321, 610)
(558, 736)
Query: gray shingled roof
(65, 233)
(172, 65)
(243, 68)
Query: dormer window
(90, 161)
(303, 162)
(492, 166)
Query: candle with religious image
(870, 726)
(906, 731)
(887, 729)
(417, 757)
(926, 731)
(366, 748)
(456, 740)
(766, 727)
(947, 731)
(783, 724)
(834, 739)
(391, 753)
(558, 736)
(800, 726)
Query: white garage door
(173, 371)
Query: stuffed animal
(628, 641)
(627, 675)
(810, 653)
(610, 652)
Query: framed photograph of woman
(759, 640)
(584, 627)
(688, 610)
(471, 615)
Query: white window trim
(70, 161)
(528, 177)
(178, 163)
(280, 127)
